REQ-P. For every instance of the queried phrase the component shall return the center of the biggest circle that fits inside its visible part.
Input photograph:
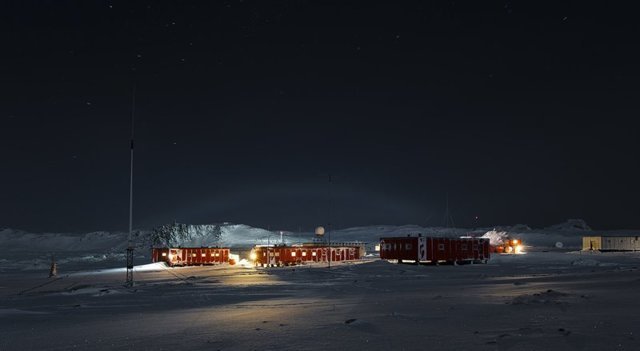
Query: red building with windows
(190, 256)
(288, 255)
(435, 250)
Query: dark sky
(523, 112)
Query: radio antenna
(129, 282)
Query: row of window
(293, 253)
(389, 246)
(395, 247)
(622, 241)
(217, 254)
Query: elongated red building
(435, 250)
(289, 255)
(190, 256)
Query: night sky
(522, 112)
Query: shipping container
(190, 256)
(611, 243)
(435, 250)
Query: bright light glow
(193, 254)
(293, 254)
(514, 242)
(313, 253)
(234, 258)
(509, 249)
(304, 253)
(245, 264)
(164, 254)
(377, 247)
(203, 255)
(519, 249)
(253, 256)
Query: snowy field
(547, 299)
(538, 301)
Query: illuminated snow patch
(151, 267)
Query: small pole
(54, 267)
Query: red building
(190, 256)
(286, 255)
(434, 250)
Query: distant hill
(229, 234)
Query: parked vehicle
(508, 246)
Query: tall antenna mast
(129, 281)
(329, 224)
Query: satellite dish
(320, 231)
(559, 244)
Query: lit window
(313, 253)
(164, 254)
(217, 254)
(193, 254)
(203, 255)
(293, 254)
(304, 253)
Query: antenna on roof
(448, 218)
(129, 282)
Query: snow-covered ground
(547, 299)
(538, 301)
